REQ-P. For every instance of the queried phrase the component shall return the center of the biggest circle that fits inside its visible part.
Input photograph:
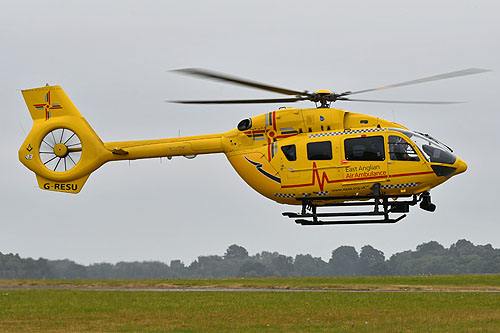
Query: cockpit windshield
(431, 149)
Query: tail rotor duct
(60, 150)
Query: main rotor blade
(232, 79)
(244, 101)
(399, 102)
(464, 72)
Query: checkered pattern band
(318, 135)
(385, 187)
(284, 195)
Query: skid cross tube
(309, 214)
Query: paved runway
(6, 288)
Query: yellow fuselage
(275, 153)
(258, 157)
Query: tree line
(431, 258)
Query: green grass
(63, 305)
(127, 311)
(446, 282)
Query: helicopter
(315, 158)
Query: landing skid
(383, 206)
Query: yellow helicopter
(318, 157)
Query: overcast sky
(112, 57)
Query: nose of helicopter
(461, 166)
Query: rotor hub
(61, 150)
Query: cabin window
(290, 152)
(365, 149)
(319, 150)
(401, 150)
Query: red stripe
(412, 174)
(324, 178)
(292, 186)
(247, 132)
(269, 149)
(285, 136)
(321, 181)
(274, 120)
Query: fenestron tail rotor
(60, 150)
(53, 149)
(322, 98)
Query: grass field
(72, 309)
(401, 283)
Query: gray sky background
(111, 58)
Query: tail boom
(183, 146)
(62, 149)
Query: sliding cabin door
(365, 163)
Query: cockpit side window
(319, 150)
(365, 149)
(431, 149)
(401, 150)
(290, 152)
